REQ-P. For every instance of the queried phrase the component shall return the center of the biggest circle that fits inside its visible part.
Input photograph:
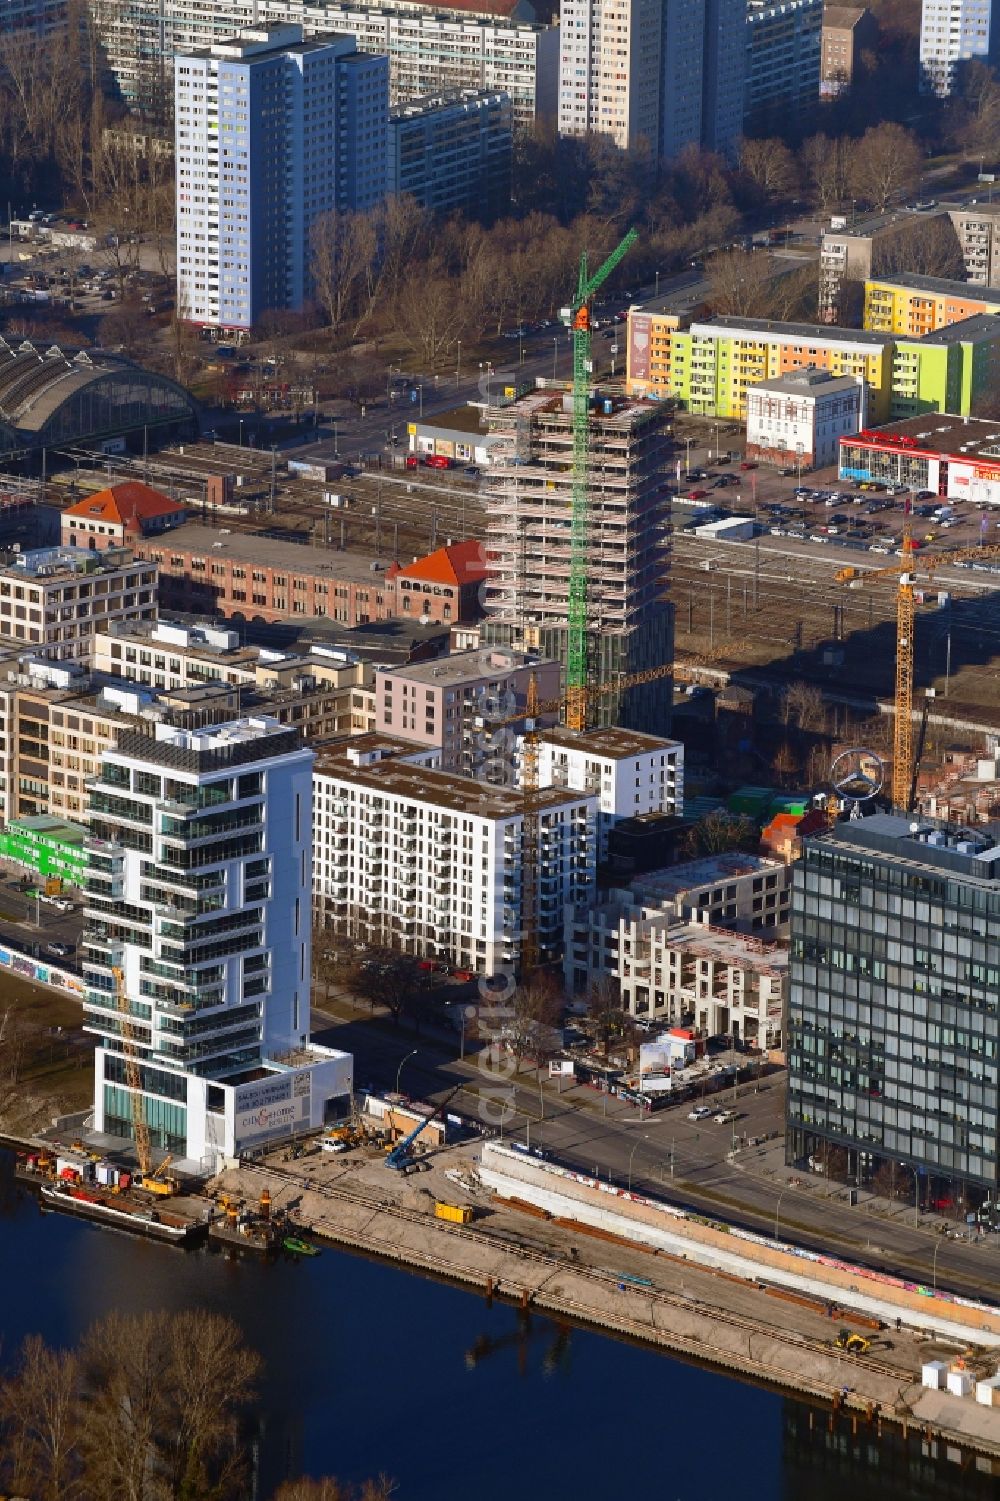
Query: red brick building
(240, 575)
(119, 516)
(444, 586)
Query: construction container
(988, 1391)
(457, 1214)
(753, 801)
(934, 1373)
(960, 1382)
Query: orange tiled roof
(126, 504)
(461, 563)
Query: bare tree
(804, 704)
(719, 831)
(826, 162)
(162, 1394)
(978, 125)
(329, 1489)
(739, 283)
(756, 286)
(925, 247)
(886, 161)
(536, 1006)
(606, 1010)
(39, 1424)
(769, 165)
(343, 247)
(211, 1377)
(430, 314)
(385, 977)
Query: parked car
(724, 1117)
(699, 1112)
(748, 464)
(61, 950)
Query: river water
(369, 1368)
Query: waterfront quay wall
(569, 1195)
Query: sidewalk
(768, 1161)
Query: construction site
(507, 1225)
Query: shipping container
(457, 1214)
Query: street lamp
(241, 432)
(630, 1157)
(687, 458)
(657, 274)
(777, 1208)
(458, 362)
(798, 462)
(400, 1068)
(555, 352)
(420, 388)
(487, 365)
(934, 1280)
(716, 426)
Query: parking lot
(35, 925)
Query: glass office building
(892, 1034)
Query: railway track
(606, 1279)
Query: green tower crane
(577, 317)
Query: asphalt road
(667, 1155)
(30, 926)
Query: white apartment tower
(271, 132)
(953, 32)
(630, 774)
(432, 863)
(199, 892)
(609, 70)
(665, 72)
(430, 50)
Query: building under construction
(530, 539)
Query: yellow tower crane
(152, 1178)
(529, 717)
(904, 570)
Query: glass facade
(895, 974)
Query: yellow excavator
(854, 1344)
(156, 1181)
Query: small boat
(299, 1247)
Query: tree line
(147, 1407)
(62, 140)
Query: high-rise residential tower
(664, 73)
(271, 133)
(529, 540)
(198, 892)
(953, 32)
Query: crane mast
(578, 318)
(530, 716)
(904, 760)
(902, 733)
(133, 1075)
